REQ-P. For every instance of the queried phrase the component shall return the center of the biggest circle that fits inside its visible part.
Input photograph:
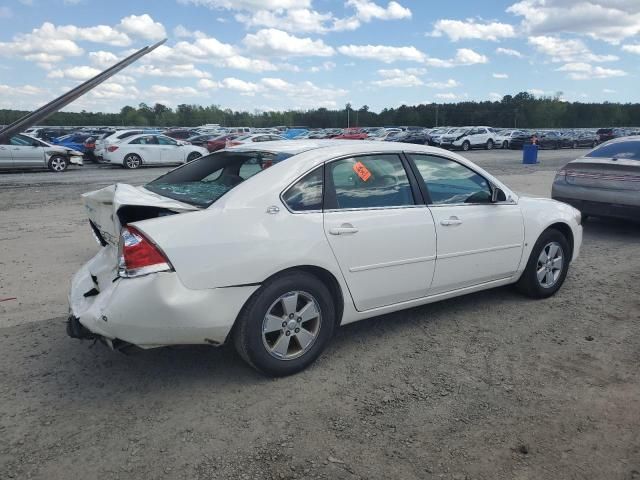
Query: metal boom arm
(50, 108)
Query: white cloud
(241, 86)
(367, 10)
(608, 90)
(447, 96)
(631, 48)
(250, 5)
(399, 78)
(501, 76)
(565, 50)
(451, 83)
(172, 92)
(186, 70)
(75, 73)
(274, 42)
(508, 51)
(470, 29)
(207, 84)
(585, 71)
(609, 20)
(102, 58)
(464, 56)
(383, 53)
(143, 26)
(495, 96)
(294, 20)
(8, 91)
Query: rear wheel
(58, 163)
(193, 155)
(286, 324)
(505, 144)
(489, 144)
(547, 266)
(574, 145)
(132, 161)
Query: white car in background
(25, 151)
(115, 137)
(255, 137)
(503, 138)
(272, 246)
(381, 135)
(466, 138)
(151, 149)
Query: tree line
(523, 110)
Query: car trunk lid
(609, 173)
(112, 207)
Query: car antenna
(62, 101)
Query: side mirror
(497, 195)
(35, 144)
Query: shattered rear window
(206, 179)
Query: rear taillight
(138, 255)
(561, 174)
(112, 148)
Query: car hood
(63, 149)
(103, 205)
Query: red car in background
(220, 142)
(352, 134)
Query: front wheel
(58, 163)
(132, 161)
(547, 267)
(505, 144)
(466, 146)
(286, 324)
(489, 145)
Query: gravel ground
(488, 386)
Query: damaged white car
(272, 246)
(23, 151)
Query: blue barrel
(530, 154)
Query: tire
(466, 146)
(594, 144)
(132, 161)
(539, 279)
(280, 352)
(489, 145)
(192, 156)
(505, 145)
(574, 145)
(58, 163)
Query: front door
(383, 240)
(24, 153)
(478, 241)
(170, 150)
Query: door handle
(344, 229)
(451, 222)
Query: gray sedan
(605, 182)
(24, 151)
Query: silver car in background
(23, 151)
(605, 182)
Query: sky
(260, 55)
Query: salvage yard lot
(488, 386)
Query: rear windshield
(628, 150)
(206, 179)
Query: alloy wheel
(58, 164)
(132, 161)
(550, 265)
(291, 325)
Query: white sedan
(272, 246)
(151, 149)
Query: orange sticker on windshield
(362, 171)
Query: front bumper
(151, 311)
(76, 160)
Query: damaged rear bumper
(150, 311)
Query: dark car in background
(218, 143)
(605, 182)
(180, 133)
(519, 139)
(201, 140)
(418, 137)
(605, 134)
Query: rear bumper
(599, 201)
(600, 209)
(151, 311)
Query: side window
(451, 183)
(140, 141)
(166, 141)
(375, 181)
(250, 168)
(306, 194)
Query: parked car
(180, 133)
(24, 151)
(383, 134)
(352, 134)
(201, 140)
(253, 138)
(419, 137)
(218, 143)
(504, 137)
(103, 141)
(605, 182)
(605, 134)
(466, 138)
(76, 141)
(271, 246)
(133, 152)
(584, 140)
(436, 134)
(519, 139)
(548, 140)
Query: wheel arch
(566, 231)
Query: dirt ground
(488, 386)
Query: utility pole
(437, 114)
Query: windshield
(206, 179)
(627, 150)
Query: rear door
(381, 233)
(477, 241)
(6, 160)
